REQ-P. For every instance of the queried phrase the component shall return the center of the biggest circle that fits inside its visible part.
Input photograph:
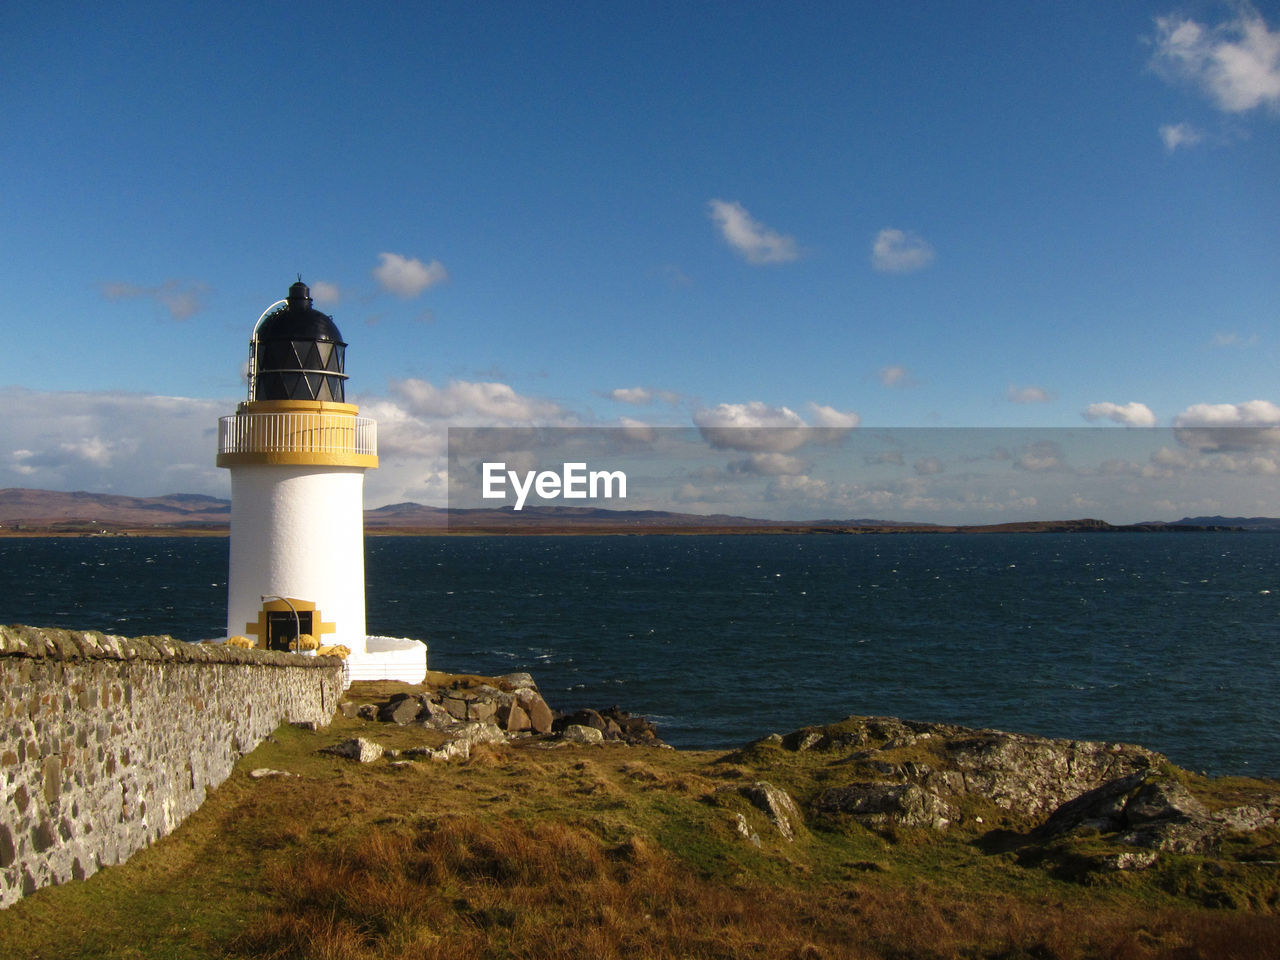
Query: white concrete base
(390, 658)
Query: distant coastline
(46, 513)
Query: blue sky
(689, 214)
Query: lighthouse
(298, 452)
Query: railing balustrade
(297, 433)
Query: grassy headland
(544, 849)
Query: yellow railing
(302, 432)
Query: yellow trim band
(365, 461)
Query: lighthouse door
(282, 628)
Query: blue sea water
(1169, 640)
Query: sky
(837, 216)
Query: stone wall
(108, 743)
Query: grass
(535, 851)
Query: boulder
(513, 718)
(777, 803)
(530, 701)
(885, 804)
(356, 748)
(400, 709)
(580, 733)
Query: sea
(1170, 640)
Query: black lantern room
(297, 353)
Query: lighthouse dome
(297, 352)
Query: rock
(777, 803)
(578, 733)
(582, 718)
(530, 701)
(434, 714)
(884, 804)
(513, 718)
(478, 732)
(356, 748)
(305, 724)
(452, 750)
(457, 706)
(262, 773)
(348, 709)
(519, 681)
(367, 711)
(745, 831)
(400, 710)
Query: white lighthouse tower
(297, 452)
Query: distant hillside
(1243, 523)
(81, 511)
(51, 512)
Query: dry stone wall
(108, 743)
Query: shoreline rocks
(497, 710)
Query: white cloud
(895, 376)
(325, 293)
(1177, 135)
(1028, 395)
(758, 427)
(756, 242)
(1130, 414)
(407, 277)
(897, 251)
(797, 487)
(750, 427)
(1236, 63)
(180, 298)
(464, 400)
(1040, 457)
(639, 396)
(1229, 426)
(126, 443)
(833, 419)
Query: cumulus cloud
(897, 251)
(407, 277)
(1229, 426)
(797, 487)
(1175, 135)
(1028, 395)
(181, 299)
(1236, 64)
(831, 418)
(751, 427)
(127, 443)
(639, 396)
(752, 239)
(323, 292)
(1129, 414)
(757, 427)
(493, 403)
(1041, 456)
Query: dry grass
(465, 887)
(600, 852)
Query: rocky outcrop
(1073, 806)
(504, 708)
(912, 774)
(1157, 811)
